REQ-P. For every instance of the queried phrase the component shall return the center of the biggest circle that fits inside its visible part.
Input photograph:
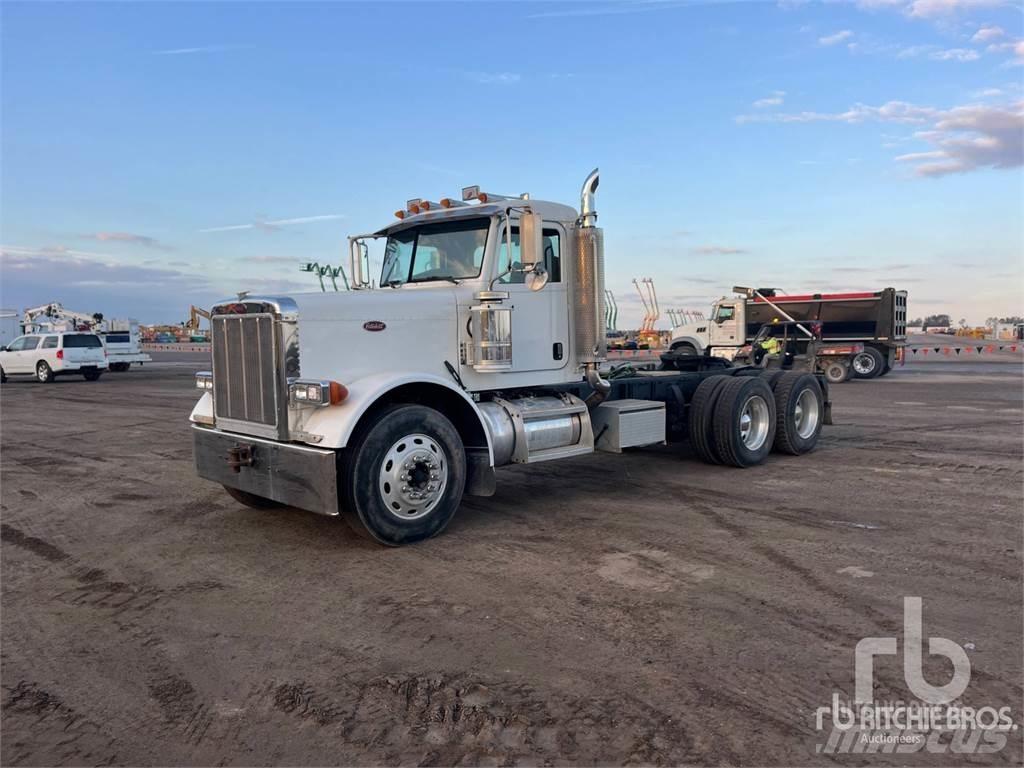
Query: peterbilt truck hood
(346, 336)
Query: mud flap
(480, 478)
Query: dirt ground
(637, 609)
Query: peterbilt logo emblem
(374, 325)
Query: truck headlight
(315, 393)
(204, 380)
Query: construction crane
(684, 316)
(192, 326)
(326, 271)
(649, 299)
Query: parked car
(165, 338)
(47, 355)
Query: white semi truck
(482, 345)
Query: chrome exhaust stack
(589, 308)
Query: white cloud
(987, 34)
(717, 250)
(198, 49)
(838, 37)
(127, 237)
(774, 100)
(494, 78)
(971, 137)
(890, 112)
(912, 51)
(956, 54)
(272, 226)
(925, 9)
(962, 139)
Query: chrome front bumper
(296, 475)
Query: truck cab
(480, 344)
(720, 334)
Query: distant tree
(1012, 320)
(917, 323)
(938, 321)
(990, 322)
(963, 322)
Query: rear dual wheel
(732, 420)
(800, 412)
(738, 420)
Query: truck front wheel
(403, 476)
(868, 364)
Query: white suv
(46, 355)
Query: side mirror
(531, 247)
(537, 277)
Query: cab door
(540, 319)
(726, 326)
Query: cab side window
(24, 344)
(725, 313)
(50, 342)
(550, 242)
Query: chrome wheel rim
(805, 414)
(863, 363)
(413, 476)
(754, 422)
(41, 373)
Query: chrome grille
(245, 371)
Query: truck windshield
(451, 250)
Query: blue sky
(807, 145)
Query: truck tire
(251, 499)
(744, 421)
(403, 476)
(836, 373)
(43, 372)
(800, 412)
(702, 411)
(885, 369)
(868, 364)
(92, 375)
(684, 348)
(771, 377)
